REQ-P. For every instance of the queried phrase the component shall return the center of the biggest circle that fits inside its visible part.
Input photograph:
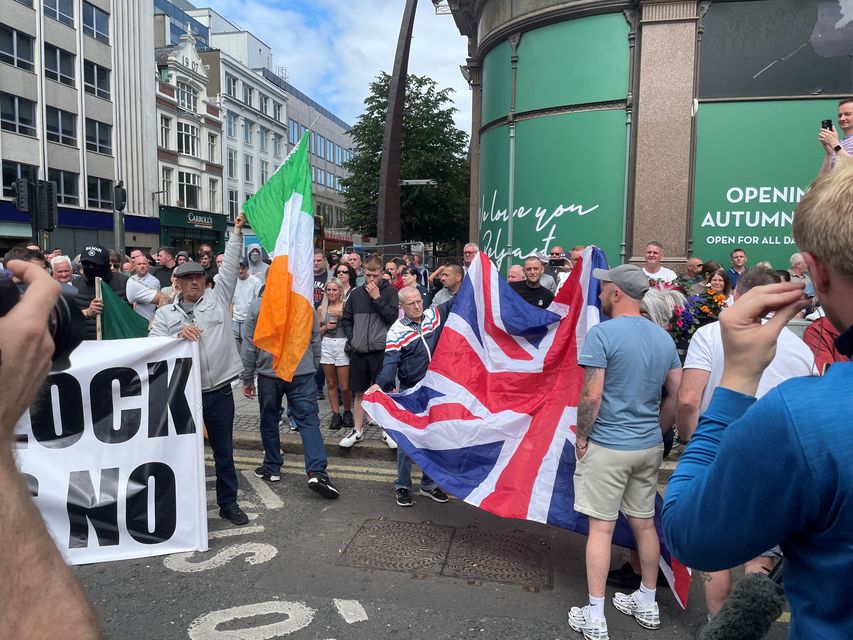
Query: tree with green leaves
(433, 148)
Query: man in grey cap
(619, 446)
(204, 315)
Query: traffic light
(23, 197)
(46, 205)
(119, 197)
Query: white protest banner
(113, 453)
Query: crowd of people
(687, 329)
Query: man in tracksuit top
(408, 352)
(368, 314)
(301, 394)
(204, 315)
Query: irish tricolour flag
(281, 213)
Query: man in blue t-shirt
(619, 443)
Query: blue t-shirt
(636, 355)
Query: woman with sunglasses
(333, 357)
(348, 277)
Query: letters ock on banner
(113, 453)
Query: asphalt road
(361, 567)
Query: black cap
(95, 255)
(188, 269)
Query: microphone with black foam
(751, 609)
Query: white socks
(645, 596)
(596, 608)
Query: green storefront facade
(618, 123)
(188, 229)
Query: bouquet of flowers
(698, 310)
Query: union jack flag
(492, 421)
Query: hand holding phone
(827, 124)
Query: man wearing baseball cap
(204, 316)
(619, 447)
(95, 263)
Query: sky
(333, 49)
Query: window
(59, 65)
(231, 85)
(247, 168)
(213, 195)
(96, 23)
(166, 185)
(338, 186)
(62, 10)
(313, 173)
(96, 80)
(233, 203)
(165, 131)
(276, 145)
(265, 171)
(27, 3)
(66, 186)
(276, 111)
(188, 190)
(321, 176)
(321, 146)
(330, 180)
(330, 150)
(100, 192)
(248, 94)
(61, 126)
(187, 97)
(232, 163)
(247, 131)
(313, 143)
(17, 114)
(263, 103)
(16, 48)
(187, 139)
(212, 155)
(230, 124)
(263, 135)
(292, 131)
(13, 171)
(249, 196)
(99, 136)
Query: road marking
(255, 552)
(350, 610)
(237, 531)
(298, 615)
(214, 513)
(294, 464)
(268, 496)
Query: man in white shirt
(248, 288)
(143, 289)
(703, 370)
(652, 267)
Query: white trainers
(646, 615)
(580, 621)
(389, 441)
(353, 437)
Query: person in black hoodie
(369, 312)
(95, 263)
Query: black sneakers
(234, 514)
(625, 578)
(263, 474)
(337, 422)
(322, 485)
(404, 498)
(349, 422)
(436, 494)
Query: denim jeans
(302, 406)
(404, 474)
(218, 413)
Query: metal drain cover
(399, 546)
(514, 558)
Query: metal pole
(388, 215)
(514, 39)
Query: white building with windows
(189, 149)
(74, 111)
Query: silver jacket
(219, 360)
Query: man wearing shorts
(619, 447)
(370, 311)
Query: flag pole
(98, 317)
(311, 126)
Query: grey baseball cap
(188, 269)
(628, 277)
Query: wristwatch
(837, 148)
